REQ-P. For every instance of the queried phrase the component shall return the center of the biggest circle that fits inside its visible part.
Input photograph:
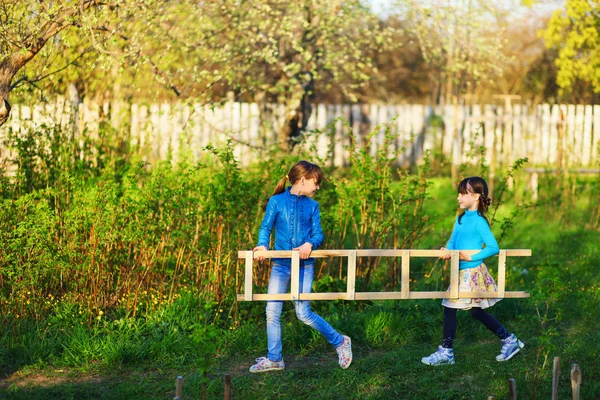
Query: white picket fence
(509, 133)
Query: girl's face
(308, 187)
(468, 201)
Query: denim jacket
(297, 220)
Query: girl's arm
(264, 233)
(316, 238)
(491, 246)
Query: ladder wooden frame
(351, 293)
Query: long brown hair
(302, 169)
(476, 184)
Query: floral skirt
(476, 279)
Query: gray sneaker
(442, 356)
(510, 346)
(263, 364)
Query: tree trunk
(8, 69)
(4, 108)
(7, 72)
(297, 114)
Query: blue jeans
(278, 283)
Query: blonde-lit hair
(302, 169)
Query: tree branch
(18, 59)
(40, 78)
(153, 65)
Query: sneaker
(510, 346)
(344, 351)
(442, 356)
(263, 364)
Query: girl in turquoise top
(471, 231)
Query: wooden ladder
(351, 293)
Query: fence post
(178, 388)
(555, 374)
(575, 381)
(512, 389)
(228, 387)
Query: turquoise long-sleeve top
(472, 233)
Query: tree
(402, 72)
(274, 50)
(461, 42)
(575, 32)
(460, 39)
(139, 37)
(284, 52)
(24, 31)
(43, 34)
(523, 48)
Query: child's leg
(278, 283)
(445, 354)
(449, 327)
(510, 344)
(307, 316)
(490, 322)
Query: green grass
(376, 373)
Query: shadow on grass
(130, 385)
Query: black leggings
(477, 313)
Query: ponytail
(280, 188)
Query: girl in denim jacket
(296, 219)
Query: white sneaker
(510, 346)
(344, 351)
(442, 356)
(263, 364)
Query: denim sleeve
(264, 233)
(316, 236)
(452, 241)
(491, 246)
